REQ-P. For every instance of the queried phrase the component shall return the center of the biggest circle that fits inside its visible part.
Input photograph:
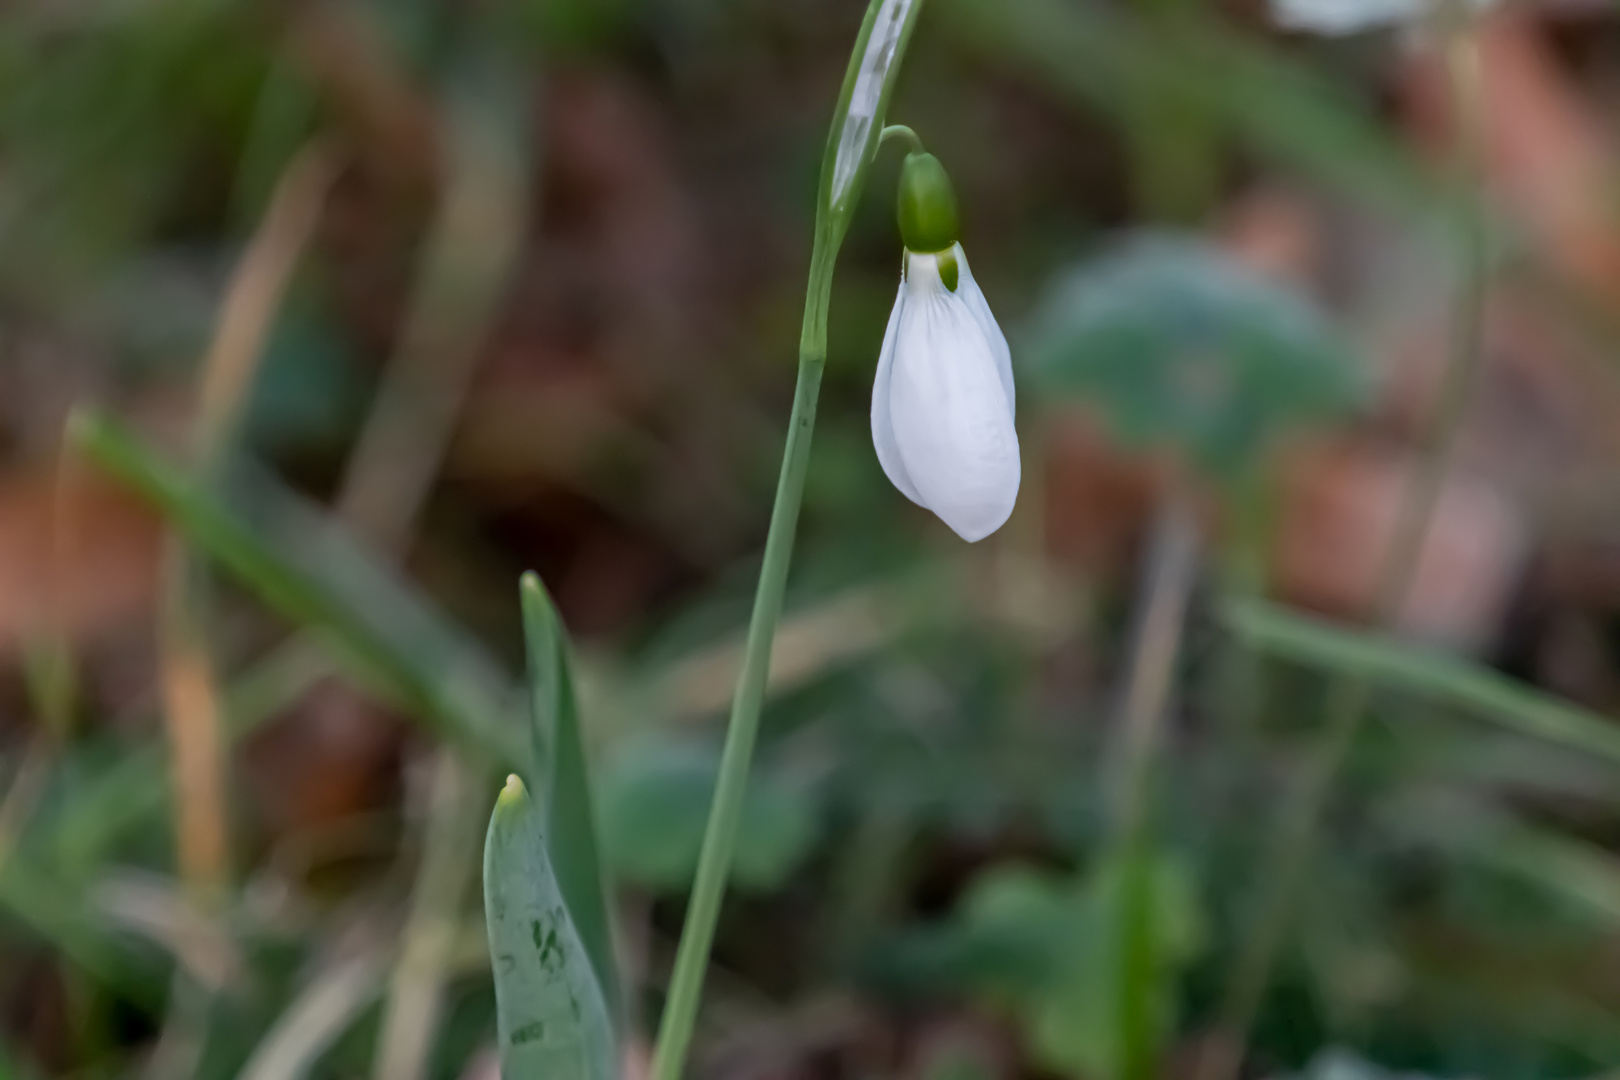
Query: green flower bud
(927, 205)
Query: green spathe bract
(858, 120)
(926, 206)
(551, 1017)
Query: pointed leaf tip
(552, 1016)
(562, 779)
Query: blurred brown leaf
(1098, 496)
(333, 758)
(1338, 521)
(78, 558)
(1548, 156)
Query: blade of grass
(1167, 586)
(157, 909)
(470, 252)
(1398, 664)
(55, 912)
(570, 815)
(325, 1009)
(314, 575)
(415, 1003)
(552, 1018)
(179, 1046)
(1582, 873)
(190, 687)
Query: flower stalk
(905, 135)
(852, 144)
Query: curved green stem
(719, 840)
(851, 145)
(905, 135)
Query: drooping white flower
(1340, 17)
(943, 402)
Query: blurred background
(365, 308)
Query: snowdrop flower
(942, 403)
(1340, 17)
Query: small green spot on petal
(949, 272)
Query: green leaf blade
(1400, 665)
(552, 1018)
(570, 818)
(1179, 346)
(316, 576)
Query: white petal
(952, 421)
(1344, 16)
(969, 290)
(882, 426)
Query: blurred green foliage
(926, 832)
(655, 803)
(1177, 345)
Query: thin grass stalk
(1166, 589)
(323, 1010)
(1167, 586)
(1445, 679)
(414, 1007)
(856, 131)
(190, 692)
(470, 253)
(1348, 696)
(192, 707)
